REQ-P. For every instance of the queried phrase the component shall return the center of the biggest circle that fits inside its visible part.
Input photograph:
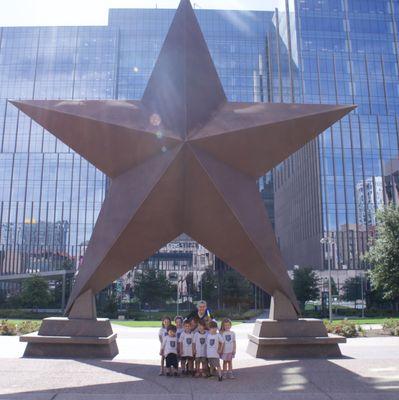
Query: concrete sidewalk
(370, 370)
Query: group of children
(198, 346)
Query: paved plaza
(369, 370)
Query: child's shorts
(171, 361)
(187, 359)
(227, 357)
(203, 360)
(214, 362)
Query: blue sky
(95, 12)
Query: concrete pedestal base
(72, 338)
(292, 339)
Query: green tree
(236, 290)
(209, 284)
(110, 306)
(35, 292)
(352, 289)
(384, 255)
(68, 264)
(153, 288)
(334, 288)
(306, 285)
(191, 289)
(3, 298)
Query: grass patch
(366, 321)
(147, 324)
(18, 321)
(18, 327)
(137, 324)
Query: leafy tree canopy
(306, 285)
(237, 290)
(209, 282)
(384, 254)
(35, 292)
(152, 287)
(352, 289)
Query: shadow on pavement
(274, 380)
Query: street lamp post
(178, 295)
(329, 242)
(362, 289)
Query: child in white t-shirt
(179, 326)
(214, 348)
(169, 351)
(186, 349)
(229, 348)
(163, 332)
(201, 362)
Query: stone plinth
(292, 339)
(72, 338)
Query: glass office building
(323, 51)
(349, 55)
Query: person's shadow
(275, 380)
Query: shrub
(25, 327)
(235, 315)
(25, 314)
(8, 328)
(391, 326)
(343, 328)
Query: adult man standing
(202, 313)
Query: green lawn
(368, 321)
(131, 324)
(138, 324)
(157, 324)
(18, 321)
(148, 324)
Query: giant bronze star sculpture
(183, 159)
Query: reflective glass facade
(317, 51)
(349, 55)
(49, 196)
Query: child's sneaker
(161, 373)
(168, 374)
(220, 378)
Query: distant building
(177, 260)
(334, 186)
(391, 181)
(370, 198)
(33, 247)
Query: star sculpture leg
(139, 216)
(242, 236)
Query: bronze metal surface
(183, 159)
